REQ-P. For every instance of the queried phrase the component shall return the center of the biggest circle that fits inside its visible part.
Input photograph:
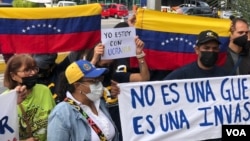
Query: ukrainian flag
(170, 38)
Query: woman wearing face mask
(207, 49)
(82, 115)
(35, 104)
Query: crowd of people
(76, 99)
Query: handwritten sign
(8, 117)
(177, 110)
(119, 42)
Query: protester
(49, 71)
(118, 71)
(94, 56)
(238, 57)
(207, 48)
(35, 103)
(83, 115)
(46, 63)
(121, 73)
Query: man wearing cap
(207, 49)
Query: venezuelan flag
(49, 30)
(170, 38)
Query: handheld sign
(8, 117)
(119, 42)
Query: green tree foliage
(24, 3)
(243, 7)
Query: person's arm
(144, 74)
(98, 52)
(115, 90)
(58, 129)
(132, 20)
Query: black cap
(121, 24)
(206, 36)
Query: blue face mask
(208, 58)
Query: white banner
(8, 117)
(183, 110)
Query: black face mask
(29, 82)
(241, 41)
(208, 58)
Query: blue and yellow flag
(49, 30)
(170, 38)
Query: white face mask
(96, 91)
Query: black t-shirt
(121, 77)
(194, 71)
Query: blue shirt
(66, 123)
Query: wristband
(139, 56)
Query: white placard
(119, 42)
(8, 117)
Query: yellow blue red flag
(49, 30)
(170, 38)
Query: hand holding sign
(98, 52)
(139, 45)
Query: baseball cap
(82, 68)
(207, 35)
